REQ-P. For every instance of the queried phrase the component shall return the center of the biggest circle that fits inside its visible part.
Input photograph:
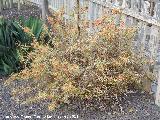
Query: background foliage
(15, 41)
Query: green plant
(34, 24)
(11, 36)
(37, 28)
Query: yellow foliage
(92, 66)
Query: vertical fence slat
(157, 101)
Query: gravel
(26, 11)
(135, 106)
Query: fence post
(154, 41)
(90, 17)
(19, 5)
(45, 11)
(157, 101)
(11, 3)
(146, 83)
(1, 5)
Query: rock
(109, 113)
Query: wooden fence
(144, 14)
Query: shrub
(94, 66)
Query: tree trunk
(78, 16)
(45, 10)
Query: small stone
(109, 114)
(152, 103)
(31, 112)
(131, 110)
(146, 113)
(142, 92)
(104, 117)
